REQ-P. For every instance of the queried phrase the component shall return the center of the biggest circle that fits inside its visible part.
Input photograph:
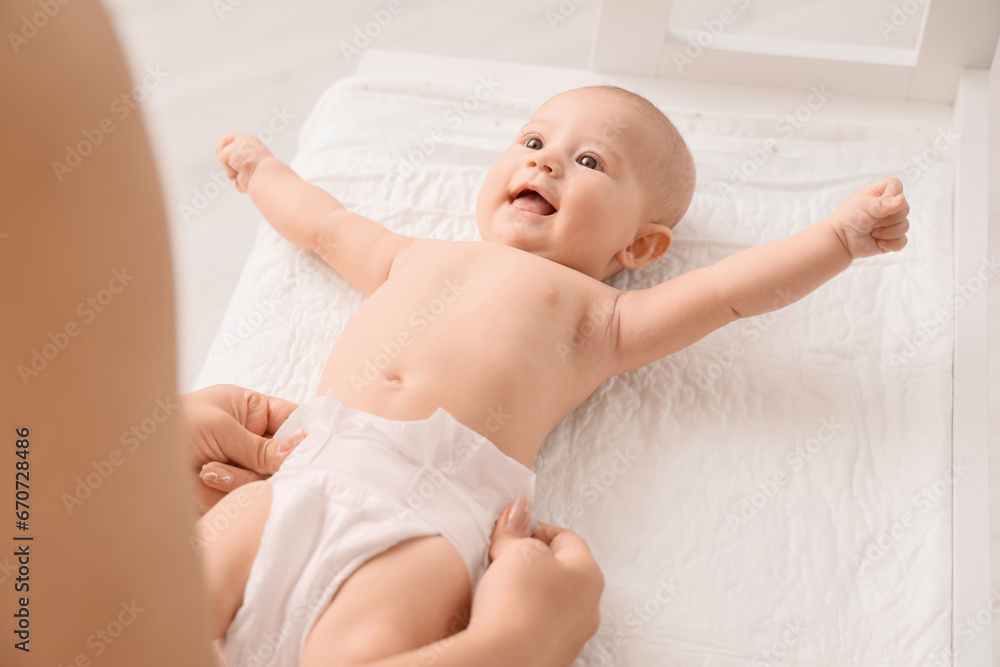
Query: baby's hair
(671, 178)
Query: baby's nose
(541, 162)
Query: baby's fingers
(891, 200)
(891, 245)
(225, 140)
(887, 187)
(224, 158)
(893, 231)
(893, 204)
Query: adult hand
(230, 429)
(542, 592)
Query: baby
(440, 390)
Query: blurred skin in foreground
(98, 567)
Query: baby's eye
(590, 162)
(534, 144)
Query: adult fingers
(234, 425)
(254, 452)
(512, 525)
(572, 552)
(225, 477)
(566, 545)
(277, 411)
(260, 415)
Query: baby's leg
(229, 535)
(412, 595)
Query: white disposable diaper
(357, 485)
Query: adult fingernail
(214, 477)
(519, 517)
(292, 440)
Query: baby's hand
(240, 154)
(873, 220)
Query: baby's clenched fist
(873, 220)
(240, 154)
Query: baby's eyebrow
(606, 151)
(604, 147)
(598, 145)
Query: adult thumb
(258, 453)
(512, 525)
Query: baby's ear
(650, 243)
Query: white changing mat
(776, 494)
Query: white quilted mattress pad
(777, 493)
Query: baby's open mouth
(532, 202)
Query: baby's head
(595, 181)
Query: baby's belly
(498, 396)
(510, 386)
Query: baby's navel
(394, 379)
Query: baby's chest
(506, 298)
(512, 285)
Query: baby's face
(568, 188)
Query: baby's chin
(514, 234)
(518, 244)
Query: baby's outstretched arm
(658, 321)
(293, 207)
(359, 249)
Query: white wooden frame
(957, 44)
(970, 440)
(633, 37)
